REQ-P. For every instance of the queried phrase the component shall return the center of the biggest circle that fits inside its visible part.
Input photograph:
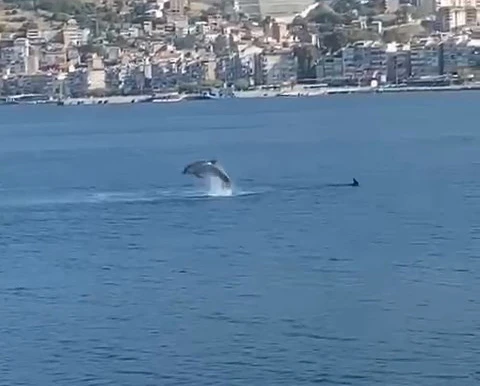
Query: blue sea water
(116, 269)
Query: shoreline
(295, 92)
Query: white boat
(168, 98)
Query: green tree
(187, 42)
(242, 84)
(212, 83)
(299, 21)
(323, 16)
(60, 17)
(333, 41)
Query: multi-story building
(460, 55)
(96, 74)
(229, 68)
(112, 79)
(330, 66)
(76, 83)
(365, 60)
(249, 59)
(451, 18)
(425, 57)
(112, 53)
(452, 15)
(73, 35)
(46, 84)
(168, 73)
(39, 84)
(177, 7)
(131, 78)
(15, 56)
(455, 54)
(398, 62)
(53, 56)
(278, 67)
(209, 67)
(474, 57)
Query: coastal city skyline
(145, 47)
(239, 192)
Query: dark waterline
(117, 270)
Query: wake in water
(211, 189)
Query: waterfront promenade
(298, 91)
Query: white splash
(216, 188)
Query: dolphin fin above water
(353, 183)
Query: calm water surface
(116, 269)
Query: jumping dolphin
(201, 169)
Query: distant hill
(14, 13)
